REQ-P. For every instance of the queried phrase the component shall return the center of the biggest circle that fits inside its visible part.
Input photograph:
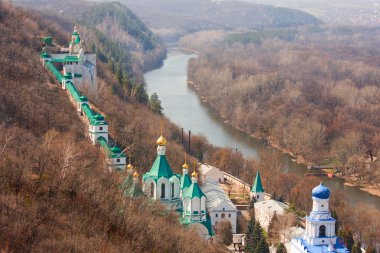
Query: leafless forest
(314, 92)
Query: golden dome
(161, 141)
(185, 166)
(130, 166)
(135, 175)
(194, 174)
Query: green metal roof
(83, 98)
(185, 181)
(73, 91)
(54, 70)
(194, 191)
(68, 76)
(131, 189)
(115, 149)
(48, 40)
(186, 221)
(77, 38)
(87, 111)
(257, 185)
(71, 58)
(160, 168)
(95, 119)
(68, 58)
(112, 152)
(45, 55)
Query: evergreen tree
(252, 203)
(349, 240)
(155, 103)
(250, 244)
(356, 248)
(140, 94)
(347, 237)
(271, 227)
(274, 196)
(281, 248)
(257, 234)
(262, 246)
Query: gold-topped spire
(136, 174)
(194, 174)
(161, 141)
(185, 165)
(130, 166)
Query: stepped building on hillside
(178, 192)
(72, 68)
(74, 62)
(320, 227)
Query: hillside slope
(187, 16)
(110, 23)
(55, 192)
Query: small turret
(129, 167)
(161, 145)
(136, 176)
(257, 190)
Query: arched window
(223, 215)
(322, 231)
(163, 190)
(172, 190)
(152, 190)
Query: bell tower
(320, 226)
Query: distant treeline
(259, 36)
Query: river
(183, 107)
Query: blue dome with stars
(321, 192)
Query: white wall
(216, 216)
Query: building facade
(319, 233)
(257, 191)
(178, 192)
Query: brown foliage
(315, 96)
(56, 194)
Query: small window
(223, 215)
(322, 205)
(216, 215)
(100, 128)
(224, 209)
(229, 215)
(163, 190)
(117, 160)
(152, 189)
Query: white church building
(319, 234)
(178, 192)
